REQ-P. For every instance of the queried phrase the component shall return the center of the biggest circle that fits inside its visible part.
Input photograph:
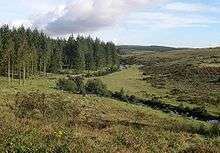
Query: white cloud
(18, 23)
(87, 15)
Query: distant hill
(136, 48)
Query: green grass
(99, 124)
(45, 84)
(190, 71)
(103, 125)
(132, 81)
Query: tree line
(27, 52)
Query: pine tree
(56, 56)
(80, 54)
(7, 50)
(89, 55)
(24, 52)
(70, 52)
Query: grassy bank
(43, 119)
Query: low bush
(200, 110)
(96, 86)
(103, 72)
(68, 71)
(38, 105)
(67, 85)
(123, 96)
(215, 130)
(79, 81)
(27, 105)
(215, 80)
(75, 84)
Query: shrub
(215, 130)
(114, 68)
(67, 85)
(96, 86)
(215, 80)
(38, 105)
(123, 94)
(29, 104)
(78, 80)
(72, 84)
(68, 71)
(102, 72)
(200, 110)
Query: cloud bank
(86, 15)
(58, 18)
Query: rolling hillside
(136, 48)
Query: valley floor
(64, 122)
(131, 80)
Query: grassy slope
(103, 125)
(208, 59)
(132, 81)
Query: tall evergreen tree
(82, 47)
(24, 52)
(89, 55)
(7, 50)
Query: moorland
(90, 110)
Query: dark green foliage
(72, 84)
(215, 130)
(78, 80)
(215, 80)
(96, 86)
(103, 72)
(68, 72)
(76, 85)
(199, 112)
(25, 52)
(67, 85)
(122, 96)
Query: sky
(178, 23)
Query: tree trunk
(40, 65)
(24, 73)
(12, 72)
(9, 71)
(45, 69)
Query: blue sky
(182, 23)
